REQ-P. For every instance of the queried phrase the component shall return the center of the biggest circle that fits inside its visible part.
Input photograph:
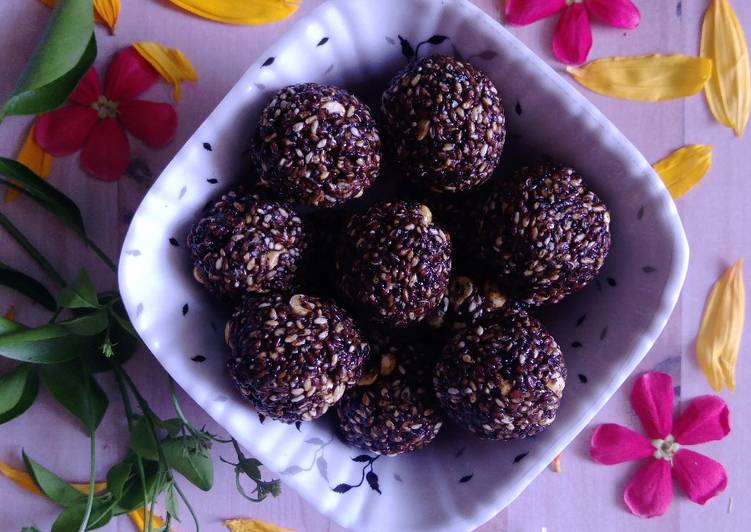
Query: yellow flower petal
(253, 525)
(647, 78)
(556, 464)
(684, 168)
(105, 11)
(171, 64)
(32, 155)
(138, 518)
(240, 11)
(722, 328)
(729, 91)
(24, 480)
(20, 477)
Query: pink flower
(649, 493)
(572, 38)
(96, 120)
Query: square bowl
(459, 481)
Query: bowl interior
(459, 481)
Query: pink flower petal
(649, 493)
(154, 123)
(706, 418)
(107, 152)
(699, 476)
(65, 130)
(525, 12)
(613, 444)
(87, 91)
(572, 38)
(128, 76)
(618, 13)
(652, 400)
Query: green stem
(92, 485)
(148, 519)
(173, 396)
(129, 416)
(152, 429)
(176, 404)
(55, 315)
(33, 252)
(99, 253)
(187, 504)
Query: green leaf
(142, 441)
(70, 518)
(79, 294)
(87, 325)
(124, 323)
(53, 486)
(77, 391)
(18, 389)
(117, 476)
(21, 177)
(33, 252)
(173, 426)
(251, 467)
(184, 454)
(171, 503)
(190, 460)
(132, 497)
(49, 344)
(101, 513)
(26, 285)
(65, 53)
(30, 529)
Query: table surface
(584, 496)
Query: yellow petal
(137, 516)
(240, 11)
(722, 328)
(647, 78)
(729, 90)
(23, 479)
(107, 11)
(171, 64)
(20, 477)
(253, 525)
(32, 155)
(556, 464)
(684, 168)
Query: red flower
(572, 39)
(96, 120)
(649, 493)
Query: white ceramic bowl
(460, 481)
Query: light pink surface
(585, 496)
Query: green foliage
(29, 248)
(28, 286)
(98, 336)
(65, 53)
(77, 391)
(55, 488)
(18, 176)
(48, 344)
(18, 389)
(81, 293)
(191, 459)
